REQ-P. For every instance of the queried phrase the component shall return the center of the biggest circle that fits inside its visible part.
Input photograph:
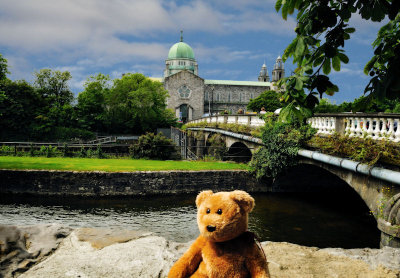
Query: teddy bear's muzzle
(211, 228)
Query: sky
(231, 39)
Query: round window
(184, 91)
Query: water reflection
(313, 219)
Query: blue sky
(231, 39)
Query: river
(312, 219)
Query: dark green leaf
(299, 84)
(343, 58)
(336, 63)
(278, 5)
(350, 30)
(300, 46)
(326, 68)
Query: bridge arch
(239, 152)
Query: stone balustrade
(244, 119)
(375, 126)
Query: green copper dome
(180, 50)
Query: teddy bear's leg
(189, 261)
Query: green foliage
(217, 148)
(321, 31)
(270, 100)
(384, 66)
(151, 146)
(281, 144)
(3, 68)
(99, 153)
(49, 151)
(91, 105)
(71, 134)
(7, 150)
(361, 104)
(136, 104)
(364, 150)
(19, 110)
(66, 151)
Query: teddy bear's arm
(256, 263)
(189, 261)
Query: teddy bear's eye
(208, 211)
(219, 211)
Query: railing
(246, 119)
(104, 140)
(375, 126)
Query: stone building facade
(191, 96)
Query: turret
(279, 71)
(263, 77)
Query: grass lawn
(111, 165)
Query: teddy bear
(224, 247)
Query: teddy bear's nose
(211, 228)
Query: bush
(48, 151)
(281, 145)
(153, 146)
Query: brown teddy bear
(224, 247)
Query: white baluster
(390, 132)
(347, 126)
(397, 133)
(353, 127)
(358, 131)
(370, 126)
(377, 129)
(383, 129)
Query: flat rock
(106, 253)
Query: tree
(91, 102)
(321, 31)
(136, 104)
(3, 68)
(19, 110)
(53, 87)
(268, 99)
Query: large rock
(22, 247)
(108, 253)
(86, 253)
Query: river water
(317, 219)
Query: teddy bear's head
(223, 216)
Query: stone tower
(263, 77)
(279, 71)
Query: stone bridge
(379, 188)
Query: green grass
(111, 165)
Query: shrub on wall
(153, 146)
(281, 144)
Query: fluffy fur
(224, 248)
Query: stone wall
(196, 86)
(231, 97)
(124, 184)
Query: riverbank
(55, 251)
(112, 165)
(119, 184)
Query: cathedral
(192, 96)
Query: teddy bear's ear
(202, 196)
(244, 200)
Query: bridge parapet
(375, 126)
(244, 119)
